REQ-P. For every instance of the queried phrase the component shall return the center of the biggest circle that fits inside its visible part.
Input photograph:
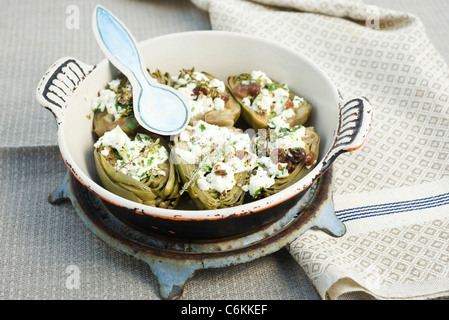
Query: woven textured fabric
(396, 245)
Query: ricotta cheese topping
(273, 100)
(288, 138)
(259, 181)
(203, 94)
(106, 100)
(139, 158)
(221, 153)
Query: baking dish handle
(59, 82)
(354, 124)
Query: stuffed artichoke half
(214, 163)
(284, 156)
(114, 105)
(285, 149)
(208, 97)
(266, 103)
(139, 170)
(219, 166)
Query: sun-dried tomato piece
(241, 90)
(310, 158)
(254, 89)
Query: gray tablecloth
(39, 241)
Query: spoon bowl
(157, 107)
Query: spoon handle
(119, 45)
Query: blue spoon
(158, 108)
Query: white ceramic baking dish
(68, 86)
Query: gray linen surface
(38, 241)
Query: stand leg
(328, 222)
(61, 193)
(325, 218)
(172, 276)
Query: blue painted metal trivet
(174, 261)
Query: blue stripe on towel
(391, 208)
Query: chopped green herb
(116, 154)
(258, 191)
(131, 124)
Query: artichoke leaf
(110, 185)
(223, 118)
(171, 185)
(124, 181)
(302, 114)
(162, 78)
(212, 199)
(104, 122)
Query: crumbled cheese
(291, 139)
(280, 121)
(222, 183)
(260, 77)
(215, 149)
(115, 138)
(297, 101)
(204, 103)
(141, 157)
(259, 181)
(106, 99)
(272, 100)
(215, 83)
(114, 84)
(277, 170)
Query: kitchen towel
(386, 56)
(396, 245)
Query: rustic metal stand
(174, 261)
